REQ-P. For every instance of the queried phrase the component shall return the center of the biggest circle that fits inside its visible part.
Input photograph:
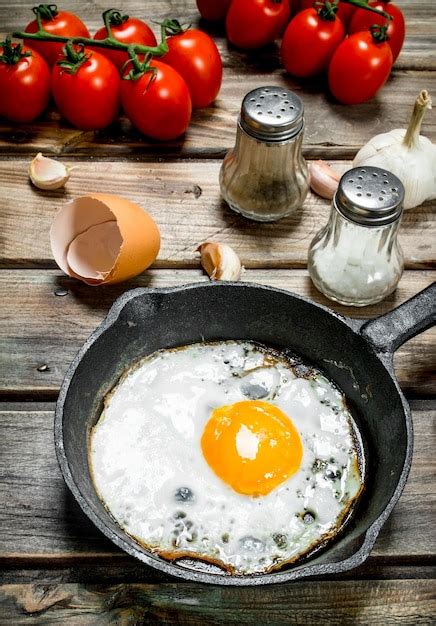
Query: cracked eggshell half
(101, 238)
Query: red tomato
(89, 98)
(158, 106)
(196, 58)
(127, 30)
(309, 43)
(256, 23)
(345, 11)
(363, 19)
(24, 83)
(359, 68)
(57, 23)
(213, 10)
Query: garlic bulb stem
(422, 103)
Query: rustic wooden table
(56, 567)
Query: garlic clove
(323, 179)
(220, 261)
(48, 173)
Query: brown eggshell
(101, 238)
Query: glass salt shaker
(265, 177)
(356, 259)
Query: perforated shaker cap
(370, 196)
(272, 114)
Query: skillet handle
(388, 332)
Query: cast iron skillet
(357, 356)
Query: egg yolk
(252, 446)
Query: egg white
(149, 470)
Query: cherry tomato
(344, 12)
(127, 30)
(363, 19)
(55, 22)
(309, 42)
(213, 10)
(359, 68)
(89, 98)
(196, 58)
(256, 23)
(24, 83)
(158, 105)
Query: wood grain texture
(40, 521)
(169, 191)
(332, 603)
(332, 130)
(40, 328)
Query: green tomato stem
(116, 18)
(109, 42)
(39, 21)
(107, 22)
(74, 58)
(12, 53)
(138, 68)
(363, 4)
(45, 11)
(379, 33)
(327, 9)
(170, 27)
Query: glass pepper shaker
(265, 177)
(356, 259)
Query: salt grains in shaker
(356, 259)
(265, 177)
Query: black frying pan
(356, 355)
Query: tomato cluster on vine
(90, 79)
(355, 42)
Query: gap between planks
(123, 570)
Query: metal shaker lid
(370, 196)
(272, 114)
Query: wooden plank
(170, 192)
(41, 523)
(416, 53)
(40, 328)
(332, 130)
(347, 603)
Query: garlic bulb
(48, 173)
(323, 179)
(406, 154)
(220, 261)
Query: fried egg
(227, 452)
